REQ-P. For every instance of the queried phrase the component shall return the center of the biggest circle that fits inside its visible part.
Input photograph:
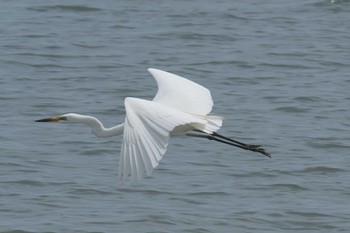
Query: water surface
(278, 72)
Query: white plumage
(182, 94)
(179, 106)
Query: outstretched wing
(146, 134)
(181, 93)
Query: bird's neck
(99, 130)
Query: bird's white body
(180, 106)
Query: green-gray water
(278, 72)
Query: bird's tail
(213, 124)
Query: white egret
(180, 107)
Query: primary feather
(179, 106)
(180, 93)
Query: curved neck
(98, 129)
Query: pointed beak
(51, 119)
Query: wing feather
(181, 93)
(146, 134)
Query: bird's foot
(258, 148)
(250, 146)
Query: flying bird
(180, 108)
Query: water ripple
(65, 8)
(278, 73)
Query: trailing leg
(219, 138)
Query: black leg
(219, 138)
(232, 140)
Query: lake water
(279, 72)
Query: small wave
(294, 187)
(328, 145)
(87, 191)
(24, 231)
(292, 109)
(162, 219)
(18, 63)
(26, 182)
(207, 193)
(77, 8)
(88, 46)
(287, 66)
(308, 214)
(308, 99)
(17, 231)
(36, 183)
(322, 169)
(234, 16)
(150, 192)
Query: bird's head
(66, 118)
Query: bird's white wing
(146, 134)
(181, 93)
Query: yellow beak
(51, 119)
